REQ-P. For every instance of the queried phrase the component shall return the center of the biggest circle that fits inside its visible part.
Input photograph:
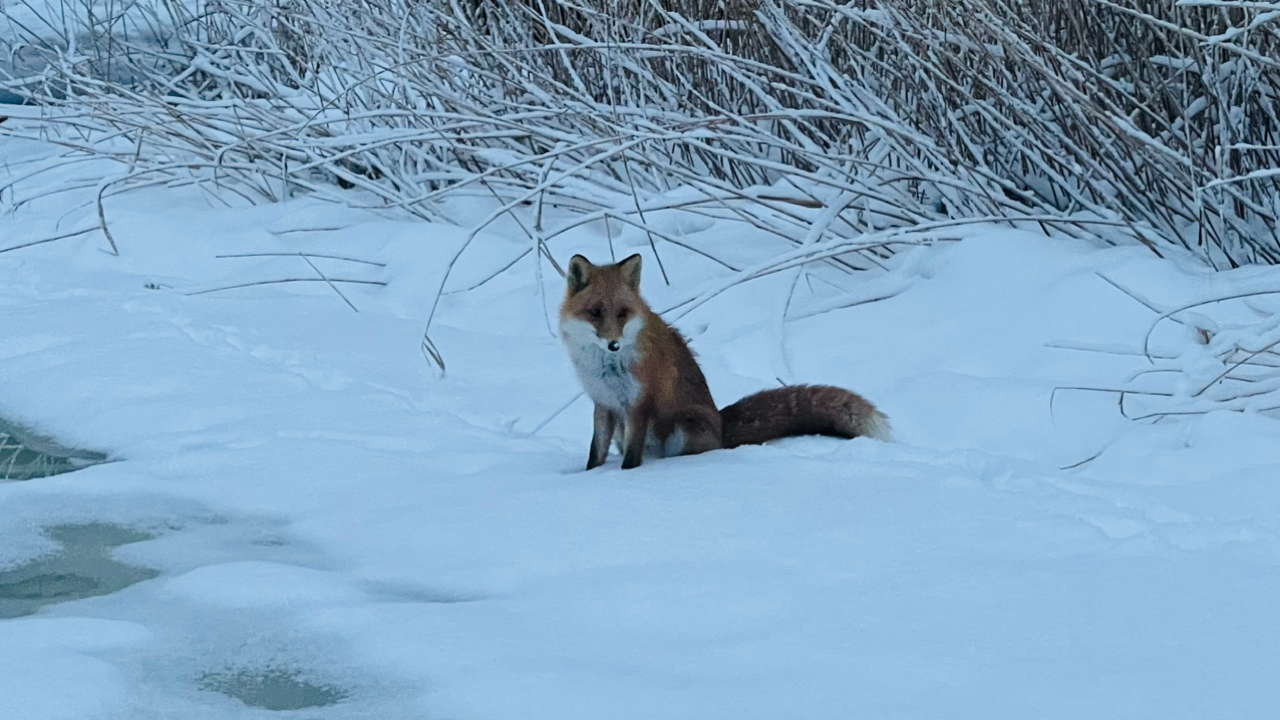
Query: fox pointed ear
(579, 274)
(631, 271)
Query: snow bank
(320, 503)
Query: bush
(812, 120)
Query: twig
(289, 280)
(329, 283)
(102, 219)
(556, 414)
(63, 236)
(1089, 459)
(301, 254)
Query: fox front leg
(605, 421)
(637, 432)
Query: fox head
(602, 304)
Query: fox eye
(596, 312)
(622, 314)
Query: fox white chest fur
(605, 374)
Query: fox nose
(614, 346)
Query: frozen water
(82, 568)
(271, 689)
(25, 454)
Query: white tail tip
(877, 426)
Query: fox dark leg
(637, 433)
(605, 422)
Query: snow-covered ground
(321, 504)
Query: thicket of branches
(844, 128)
(809, 118)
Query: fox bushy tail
(801, 410)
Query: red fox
(650, 393)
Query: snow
(321, 502)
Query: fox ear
(631, 271)
(579, 274)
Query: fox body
(650, 395)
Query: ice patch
(83, 568)
(271, 689)
(25, 454)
